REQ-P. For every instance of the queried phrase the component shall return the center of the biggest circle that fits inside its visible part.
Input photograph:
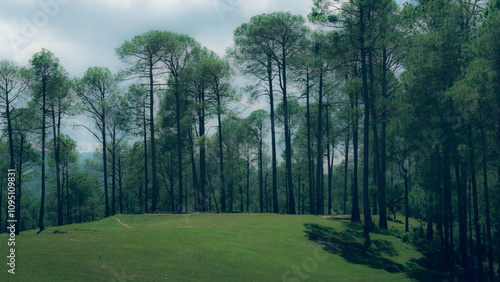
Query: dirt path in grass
(119, 221)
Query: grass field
(215, 247)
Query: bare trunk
(312, 207)
(273, 136)
(366, 134)
(319, 151)
(491, 271)
(221, 159)
(288, 143)
(67, 195)
(479, 253)
(153, 142)
(11, 154)
(471, 241)
(113, 172)
(194, 172)
(19, 186)
(330, 161)
(260, 177)
(446, 208)
(346, 163)
(462, 215)
(120, 178)
(203, 190)
(406, 203)
(179, 146)
(383, 153)
(355, 214)
(105, 165)
(145, 163)
(42, 200)
(248, 187)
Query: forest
(364, 108)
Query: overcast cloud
(85, 33)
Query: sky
(85, 33)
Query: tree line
(406, 94)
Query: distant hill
(84, 156)
(33, 186)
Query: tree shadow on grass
(349, 244)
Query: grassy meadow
(214, 247)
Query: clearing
(217, 247)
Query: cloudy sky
(83, 34)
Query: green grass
(215, 247)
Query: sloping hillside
(217, 247)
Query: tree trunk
(241, 198)
(273, 136)
(430, 231)
(319, 150)
(471, 241)
(63, 182)
(145, 163)
(203, 189)
(213, 193)
(105, 165)
(355, 214)
(330, 161)
(383, 151)
(346, 163)
(288, 143)
(153, 142)
(380, 194)
(185, 198)
(260, 176)
(172, 198)
(19, 186)
(67, 195)
(446, 208)
(9, 129)
(498, 172)
(366, 132)
(113, 172)
(11, 153)
(406, 200)
(479, 253)
(266, 193)
(42, 200)
(491, 271)
(248, 187)
(462, 215)
(1, 201)
(299, 181)
(179, 144)
(193, 169)
(221, 159)
(231, 183)
(62, 188)
(120, 178)
(58, 164)
(312, 207)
